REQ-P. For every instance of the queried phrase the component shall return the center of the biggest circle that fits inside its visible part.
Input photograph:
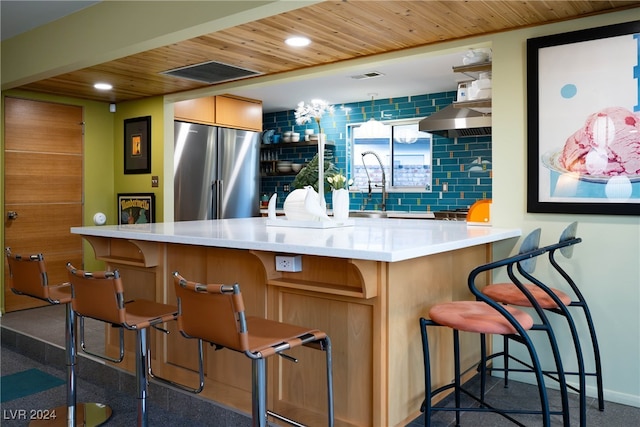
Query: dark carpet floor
(20, 351)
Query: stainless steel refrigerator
(216, 172)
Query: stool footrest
(83, 346)
(285, 419)
(185, 387)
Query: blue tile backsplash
(461, 169)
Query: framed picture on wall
(583, 91)
(137, 145)
(136, 208)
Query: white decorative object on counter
(302, 209)
(303, 205)
(294, 206)
(340, 196)
(314, 111)
(340, 204)
(271, 210)
(315, 205)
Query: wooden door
(43, 187)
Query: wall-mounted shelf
(472, 68)
(293, 144)
(473, 71)
(476, 103)
(269, 168)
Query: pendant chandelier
(372, 128)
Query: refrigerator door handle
(214, 199)
(219, 198)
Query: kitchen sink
(391, 214)
(368, 214)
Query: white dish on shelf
(267, 135)
(283, 166)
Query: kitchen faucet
(384, 179)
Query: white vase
(340, 204)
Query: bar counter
(365, 285)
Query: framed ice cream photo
(583, 118)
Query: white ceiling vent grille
(369, 75)
(211, 72)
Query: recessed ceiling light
(297, 41)
(103, 86)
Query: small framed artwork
(583, 118)
(136, 208)
(137, 145)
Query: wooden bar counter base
(365, 285)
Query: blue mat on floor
(25, 383)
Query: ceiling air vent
(369, 75)
(211, 72)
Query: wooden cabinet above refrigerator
(221, 110)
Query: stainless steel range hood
(452, 122)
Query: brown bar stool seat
(486, 316)
(28, 276)
(215, 313)
(100, 295)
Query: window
(399, 153)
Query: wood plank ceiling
(341, 30)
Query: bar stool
(28, 276)
(486, 316)
(556, 301)
(100, 295)
(215, 313)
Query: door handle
(12, 215)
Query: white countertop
(369, 239)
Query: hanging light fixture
(405, 136)
(372, 128)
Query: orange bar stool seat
(487, 317)
(28, 276)
(100, 295)
(555, 301)
(215, 313)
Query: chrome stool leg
(74, 414)
(259, 386)
(141, 376)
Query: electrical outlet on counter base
(290, 263)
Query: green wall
(139, 183)
(103, 165)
